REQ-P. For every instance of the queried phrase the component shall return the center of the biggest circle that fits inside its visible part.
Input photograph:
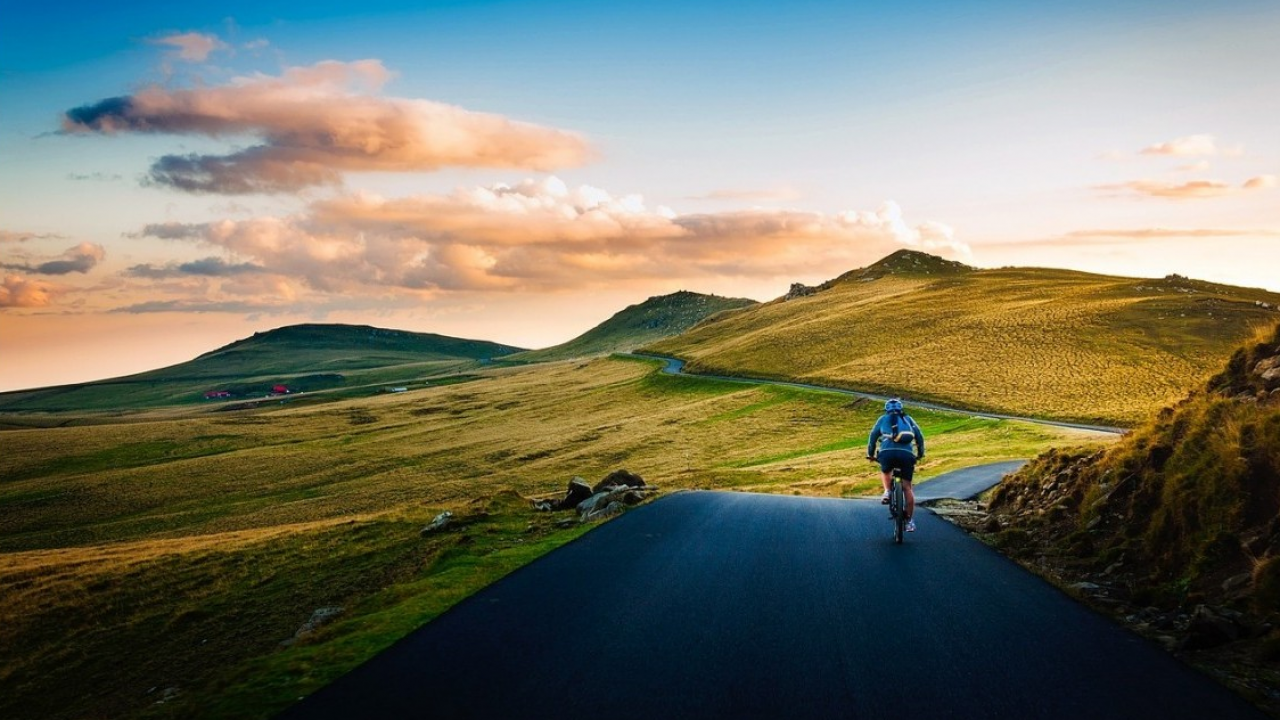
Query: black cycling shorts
(901, 459)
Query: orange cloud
(1190, 145)
(1191, 190)
(19, 291)
(546, 236)
(191, 46)
(80, 259)
(316, 123)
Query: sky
(176, 176)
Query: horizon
(611, 314)
(177, 178)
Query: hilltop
(296, 358)
(658, 317)
(1032, 341)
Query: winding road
(736, 605)
(675, 366)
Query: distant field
(1046, 343)
(167, 559)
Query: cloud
(196, 306)
(15, 236)
(206, 267)
(543, 235)
(774, 195)
(81, 258)
(95, 177)
(1260, 182)
(19, 291)
(1190, 190)
(191, 46)
(1119, 236)
(1190, 145)
(315, 124)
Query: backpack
(900, 429)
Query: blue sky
(720, 147)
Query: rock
(440, 522)
(578, 491)
(799, 290)
(1210, 627)
(612, 508)
(619, 478)
(169, 693)
(991, 525)
(602, 504)
(319, 617)
(1237, 582)
(1085, 586)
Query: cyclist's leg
(886, 472)
(908, 465)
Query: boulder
(619, 478)
(578, 491)
(1211, 627)
(609, 502)
(319, 617)
(440, 522)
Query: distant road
(733, 605)
(675, 366)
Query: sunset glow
(175, 178)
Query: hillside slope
(654, 319)
(301, 357)
(1178, 524)
(1041, 342)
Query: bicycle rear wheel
(899, 503)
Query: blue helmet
(894, 405)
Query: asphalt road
(735, 605)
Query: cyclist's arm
(919, 438)
(871, 441)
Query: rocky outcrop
(799, 290)
(618, 490)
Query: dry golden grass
(1037, 342)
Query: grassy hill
(195, 547)
(303, 358)
(1178, 524)
(636, 325)
(1049, 343)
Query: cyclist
(896, 431)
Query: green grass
(1045, 343)
(180, 551)
(324, 361)
(656, 318)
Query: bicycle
(897, 505)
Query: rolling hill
(1041, 342)
(637, 325)
(302, 358)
